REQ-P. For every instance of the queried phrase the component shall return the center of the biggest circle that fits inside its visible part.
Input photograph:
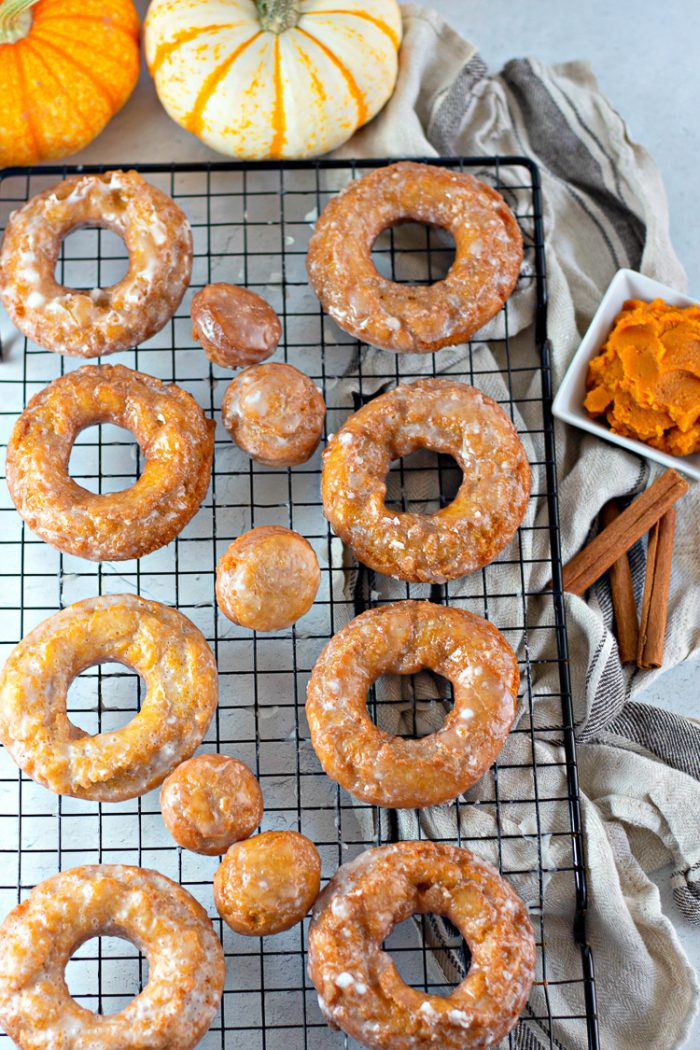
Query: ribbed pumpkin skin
(63, 82)
(255, 94)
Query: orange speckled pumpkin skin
(63, 81)
(273, 78)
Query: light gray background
(644, 54)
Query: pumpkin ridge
(344, 71)
(105, 56)
(314, 78)
(43, 19)
(165, 50)
(193, 122)
(378, 22)
(58, 86)
(22, 78)
(278, 118)
(97, 84)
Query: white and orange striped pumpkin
(273, 78)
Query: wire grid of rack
(251, 226)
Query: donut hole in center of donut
(106, 459)
(105, 697)
(92, 259)
(412, 253)
(106, 973)
(423, 482)
(414, 946)
(411, 706)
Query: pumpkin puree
(646, 379)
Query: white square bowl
(568, 403)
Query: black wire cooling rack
(251, 225)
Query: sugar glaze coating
(445, 416)
(101, 320)
(177, 441)
(359, 987)
(158, 642)
(234, 325)
(186, 976)
(268, 883)
(210, 802)
(274, 413)
(267, 579)
(415, 318)
(403, 638)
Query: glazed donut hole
(209, 802)
(267, 579)
(275, 414)
(235, 326)
(268, 883)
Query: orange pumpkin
(66, 67)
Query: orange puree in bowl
(646, 379)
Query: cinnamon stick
(624, 608)
(602, 552)
(650, 651)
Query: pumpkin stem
(277, 15)
(15, 20)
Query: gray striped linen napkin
(639, 767)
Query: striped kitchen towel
(605, 208)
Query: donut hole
(413, 253)
(105, 697)
(105, 459)
(425, 949)
(106, 973)
(422, 482)
(410, 706)
(92, 258)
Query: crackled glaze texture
(159, 643)
(445, 416)
(210, 802)
(268, 883)
(175, 437)
(358, 985)
(235, 326)
(186, 975)
(101, 320)
(267, 579)
(275, 414)
(415, 318)
(403, 638)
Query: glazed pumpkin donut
(267, 579)
(209, 802)
(159, 643)
(268, 883)
(445, 416)
(274, 413)
(358, 985)
(403, 638)
(174, 435)
(415, 318)
(102, 320)
(186, 963)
